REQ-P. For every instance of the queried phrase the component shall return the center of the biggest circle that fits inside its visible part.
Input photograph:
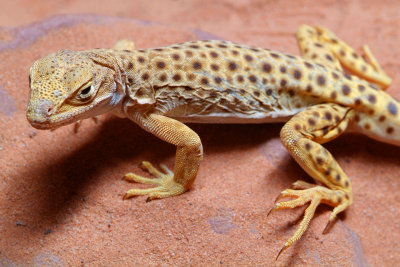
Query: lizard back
(219, 81)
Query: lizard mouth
(40, 125)
(47, 123)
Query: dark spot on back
(176, 56)
(392, 108)
(214, 54)
(214, 67)
(372, 99)
(177, 77)
(145, 76)
(163, 77)
(218, 79)
(189, 53)
(308, 65)
(160, 64)
(130, 65)
(328, 115)
(275, 55)
(252, 78)
(196, 65)
(321, 80)
(248, 58)
(267, 67)
(290, 56)
(325, 129)
(297, 74)
(204, 81)
(346, 89)
(348, 77)
(282, 69)
(308, 146)
(232, 66)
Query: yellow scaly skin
(222, 82)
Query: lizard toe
(165, 184)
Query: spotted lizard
(160, 89)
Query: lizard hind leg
(322, 46)
(302, 136)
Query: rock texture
(61, 193)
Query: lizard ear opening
(143, 96)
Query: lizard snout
(39, 113)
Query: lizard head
(67, 86)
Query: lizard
(319, 95)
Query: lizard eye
(30, 80)
(84, 94)
(85, 91)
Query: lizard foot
(164, 181)
(314, 194)
(77, 124)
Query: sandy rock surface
(61, 193)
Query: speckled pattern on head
(224, 82)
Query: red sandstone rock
(61, 193)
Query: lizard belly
(219, 118)
(228, 109)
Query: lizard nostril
(44, 107)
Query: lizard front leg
(188, 156)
